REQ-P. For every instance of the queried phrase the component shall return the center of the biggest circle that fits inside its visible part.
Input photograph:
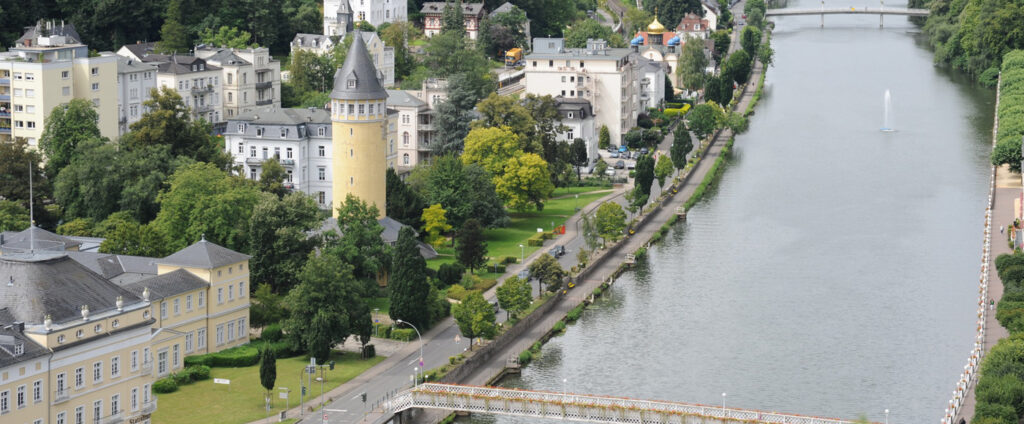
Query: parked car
(631, 165)
(610, 172)
(524, 274)
(644, 151)
(614, 155)
(613, 148)
(557, 251)
(623, 148)
(620, 164)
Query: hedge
(496, 267)
(242, 356)
(509, 260)
(403, 334)
(165, 385)
(272, 333)
(536, 240)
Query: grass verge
(242, 400)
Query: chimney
(19, 326)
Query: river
(833, 271)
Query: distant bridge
(822, 11)
(582, 408)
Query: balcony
(425, 127)
(5, 97)
(5, 114)
(254, 161)
(149, 407)
(264, 102)
(117, 418)
(204, 108)
(61, 396)
(202, 89)
(287, 162)
(5, 81)
(264, 85)
(5, 130)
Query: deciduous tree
(492, 148)
(663, 169)
(272, 176)
(17, 161)
(682, 144)
(644, 174)
(408, 284)
(435, 224)
(225, 36)
(514, 296)
(610, 220)
(134, 239)
(579, 157)
(280, 239)
(576, 36)
(319, 305)
(692, 66)
(547, 269)
(403, 203)
(525, 183)
(750, 39)
(67, 126)
(359, 243)
(166, 122)
(13, 216)
(471, 247)
(703, 120)
(475, 317)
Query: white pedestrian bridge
(581, 408)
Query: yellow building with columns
(359, 125)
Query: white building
(433, 12)
(251, 78)
(197, 82)
(135, 81)
(711, 13)
(337, 17)
(652, 83)
(314, 43)
(382, 55)
(377, 12)
(414, 123)
(607, 77)
(300, 139)
(578, 118)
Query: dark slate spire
(357, 78)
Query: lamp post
(575, 203)
(723, 404)
(415, 376)
(886, 416)
(522, 254)
(564, 382)
(418, 336)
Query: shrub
(525, 357)
(995, 411)
(484, 284)
(403, 334)
(452, 360)
(536, 240)
(165, 385)
(242, 356)
(450, 273)
(369, 351)
(559, 327)
(457, 292)
(497, 268)
(536, 347)
(272, 333)
(198, 372)
(575, 313)
(641, 253)
(181, 378)
(509, 260)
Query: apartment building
(377, 12)
(135, 82)
(314, 43)
(251, 77)
(47, 67)
(414, 122)
(299, 139)
(337, 17)
(83, 335)
(472, 13)
(197, 82)
(576, 115)
(607, 77)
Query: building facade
(197, 82)
(135, 82)
(608, 78)
(337, 17)
(251, 78)
(472, 13)
(377, 12)
(414, 122)
(313, 43)
(359, 130)
(47, 67)
(299, 139)
(100, 329)
(577, 117)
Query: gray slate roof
(65, 29)
(582, 107)
(504, 8)
(167, 285)
(110, 266)
(359, 65)
(287, 116)
(402, 98)
(436, 7)
(9, 337)
(225, 57)
(306, 40)
(43, 239)
(178, 64)
(125, 65)
(57, 286)
(205, 255)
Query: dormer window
(79, 333)
(351, 83)
(98, 328)
(60, 338)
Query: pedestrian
(1000, 229)
(991, 304)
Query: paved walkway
(1008, 189)
(606, 267)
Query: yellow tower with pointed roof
(359, 121)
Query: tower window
(351, 153)
(351, 109)
(351, 83)
(351, 180)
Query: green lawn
(242, 400)
(382, 303)
(562, 191)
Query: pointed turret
(357, 78)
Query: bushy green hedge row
(536, 240)
(242, 356)
(1011, 110)
(402, 334)
(1000, 390)
(192, 373)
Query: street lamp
(886, 416)
(575, 203)
(564, 382)
(418, 336)
(522, 254)
(415, 376)
(723, 404)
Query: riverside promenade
(603, 268)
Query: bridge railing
(576, 407)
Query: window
(220, 334)
(188, 303)
(146, 358)
(97, 410)
(321, 197)
(321, 151)
(289, 176)
(405, 159)
(241, 328)
(231, 98)
(201, 336)
(60, 383)
(18, 92)
(17, 75)
(163, 310)
(30, 93)
(62, 418)
(37, 391)
(570, 115)
(241, 289)
(80, 415)
(362, 109)
(79, 377)
(231, 331)
(115, 403)
(5, 401)
(134, 360)
(351, 181)
(252, 174)
(134, 399)
(21, 396)
(252, 151)
(95, 86)
(161, 362)
(563, 78)
(176, 355)
(405, 138)
(551, 63)
(322, 173)
(95, 71)
(115, 367)
(95, 102)
(284, 132)
(259, 132)
(97, 372)
(177, 306)
(231, 292)
(288, 153)
(30, 76)
(220, 295)
(569, 135)
(19, 108)
(351, 109)
(202, 298)
(188, 341)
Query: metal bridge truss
(584, 408)
(847, 11)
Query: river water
(833, 271)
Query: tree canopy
(408, 286)
(475, 317)
(280, 239)
(320, 305)
(67, 126)
(576, 36)
(471, 246)
(692, 66)
(610, 221)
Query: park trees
(225, 36)
(13, 216)
(663, 169)
(692, 65)
(502, 32)
(703, 120)
(581, 30)
(67, 126)
(359, 243)
(475, 317)
(408, 285)
(492, 148)
(404, 204)
(435, 224)
(548, 271)
(604, 138)
(268, 369)
(682, 144)
(463, 191)
(174, 36)
(280, 240)
(514, 296)
(722, 40)
(750, 39)
(272, 176)
(319, 306)
(526, 182)
(737, 67)
(471, 247)
(128, 237)
(167, 122)
(578, 155)
(610, 221)
(644, 174)
(508, 113)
